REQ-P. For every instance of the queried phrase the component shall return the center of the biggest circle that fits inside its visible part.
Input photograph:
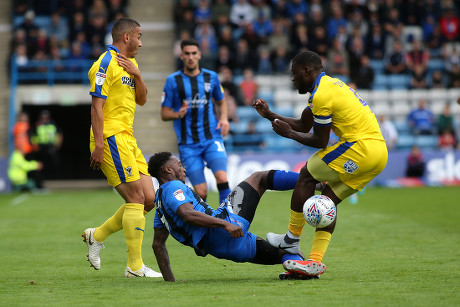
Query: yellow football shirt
(335, 104)
(111, 82)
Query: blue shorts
(194, 156)
(220, 244)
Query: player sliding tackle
(223, 232)
(346, 167)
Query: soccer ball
(319, 211)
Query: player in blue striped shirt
(187, 99)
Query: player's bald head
(122, 26)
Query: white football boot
(94, 248)
(305, 268)
(144, 271)
(284, 242)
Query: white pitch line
(19, 200)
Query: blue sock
(282, 180)
(224, 190)
(291, 257)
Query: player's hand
(234, 230)
(224, 125)
(261, 107)
(281, 127)
(183, 110)
(97, 156)
(129, 66)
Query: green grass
(398, 247)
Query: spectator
(263, 27)
(445, 120)
(205, 31)
(337, 19)
(241, 13)
(395, 60)
(418, 77)
(58, 29)
(364, 76)
(48, 137)
(412, 12)
(231, 106)
(415, 163)
(208, 57)
(357, 21)
(264, 66)
(300, 41)
(337, 59)
(356, 52)
(437, 79)
(203, 12)
(375, 42)
(451, 56)
(180, 9)
(21, 57)
(249, 87)
(446, 140)
(280, 62)
(226, 77)
(251, 37)
(295, 6)
(435, 43)
(450, 25)
(77, 24)
(417, 57)
(224, 58)
(279, 37)
(219, 8)
(29, 26)
(393, 25)
(186, 23)
(319, 41)
(421, 120)
(454, 76)
(19, 169)
(226, 39)
(389, 132)
(244, 57)
(21, 134)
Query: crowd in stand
(245, 38)
(62, 29)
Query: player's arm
(318, 139)
(161, 253)
(302, 124)
(97, 123)
(200, 219)
(141, 88)
(170, 114)
(223, 120)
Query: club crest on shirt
(100, 78)
(350, 166)
(207, 87)
(179, 195)
(129, 170)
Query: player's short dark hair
(157, 161)
(308, 58)
(122, 26)
(189, 42)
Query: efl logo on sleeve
(179, 195)
(100, 78)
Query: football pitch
(395, 247)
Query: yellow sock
(112, 225)
(296, 223)
(320, 243)
(133, 226)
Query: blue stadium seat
(264, 126)
(399, 81)
(405, 141)
(380, 82)
(378, 66)
(426, 141)
(247, 113)
(239, 127)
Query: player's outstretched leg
(306, 268)
(283, 241)
(94, 248)
(144, 271)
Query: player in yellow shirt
(116, 88)
(346, 167)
